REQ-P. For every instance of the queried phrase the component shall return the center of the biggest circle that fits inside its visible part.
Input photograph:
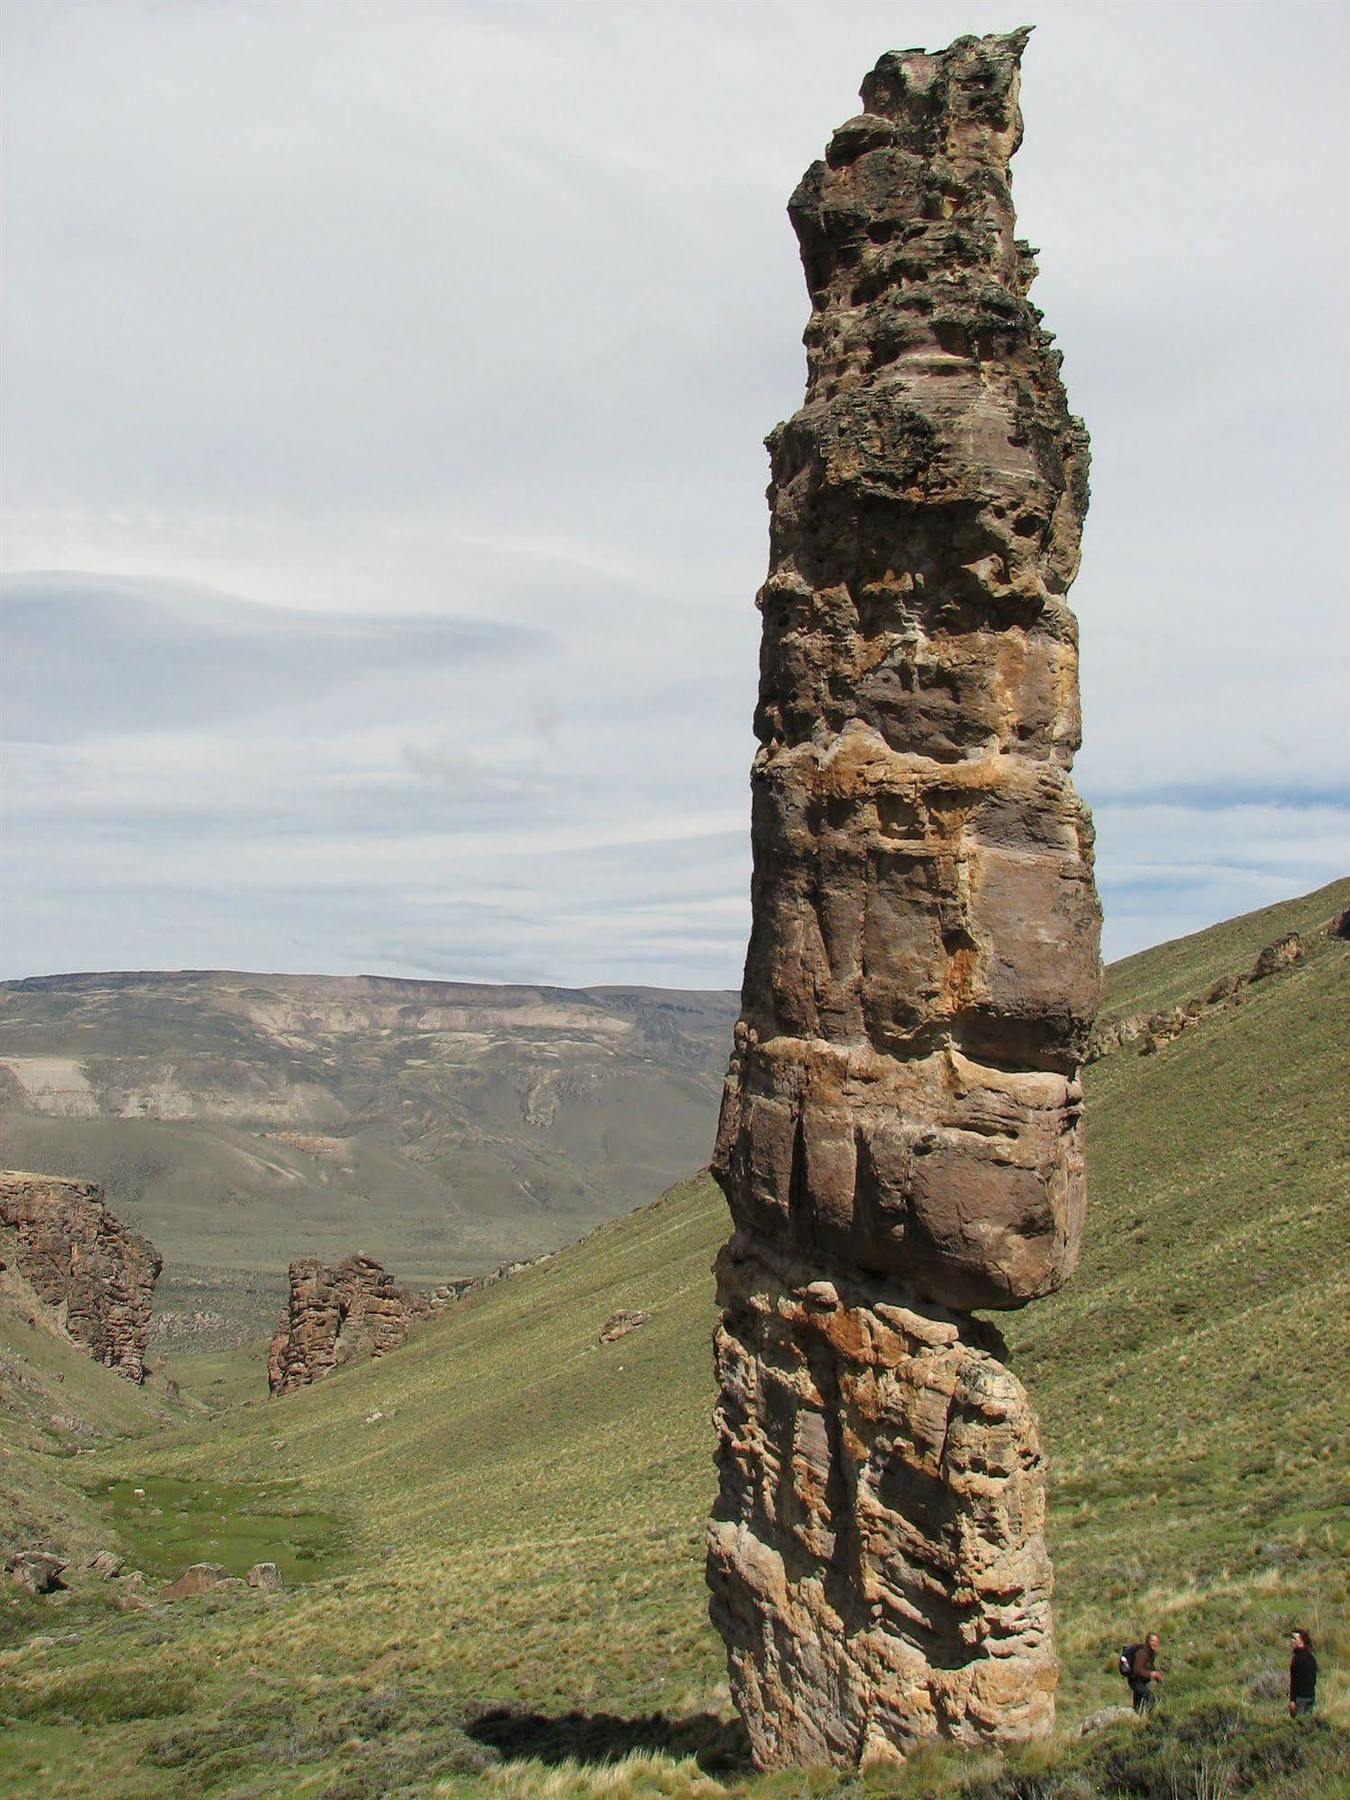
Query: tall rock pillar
(901, 1133)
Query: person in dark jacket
(1302, 1674)
(1144, 1675)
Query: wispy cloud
(384, 490)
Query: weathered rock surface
(882, 1575)
(197, 1578)
(1107, 1716)
(267, 1576)
(621, 1324)
(37, 1571)
(93, 1276)
(335, 1314)
(133, 1593)
(901, 1130)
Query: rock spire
(901, 1131)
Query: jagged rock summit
(901, 1131)
(85, 1274)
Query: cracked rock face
(903, 1111)
(335, 1315)
(94, 1278)
(882, 1576)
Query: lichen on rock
(902, 1118)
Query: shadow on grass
(520, 1736)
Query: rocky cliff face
(338, 1315)
(901, 1132)
(93, 1278)
(335, 1315)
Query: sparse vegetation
(521, 1609)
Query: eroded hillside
(241, 1120)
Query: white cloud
(384, 490)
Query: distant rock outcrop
(336, 1315)
(356, 1309)
(93, 1277)
(901, 1135)
(1151, 1031)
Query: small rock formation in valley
(336, 1315)
(37, 1571)
(197, 1578)
(621, 1324)
(901, 1133)
(93, 1278)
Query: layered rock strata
(901, 1130)
(93, 1277)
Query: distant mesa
(445, 1126)
(354, 1311)
(76, 1268)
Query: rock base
(876, 1555)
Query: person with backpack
(1302, 1675)
(1138, 1665)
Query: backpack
(1125, 1662)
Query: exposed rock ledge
(1150, 1031)
(91, 1276)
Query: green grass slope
(1179, 970)
(56, 1408)
(524, 1507)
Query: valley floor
(511, 1594)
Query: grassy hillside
(243, 1120)
(524, 1507)
(1183, 968)
(56, 1408)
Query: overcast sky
(383, 480)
